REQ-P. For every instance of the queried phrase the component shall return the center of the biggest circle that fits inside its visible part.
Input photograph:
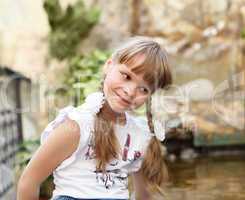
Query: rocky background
(203, 39)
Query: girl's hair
(156, 73)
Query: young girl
(93, 148)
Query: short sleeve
(53, 124)
(85, 121)
(82, 119)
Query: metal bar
(18, 109)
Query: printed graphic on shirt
(126, 147)
(113, 176)
(137, 154)
(90, 154)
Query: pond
(208, 179)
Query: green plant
(26, 150)
(85, 73)
(69, 27)
(243, 33)
(24, 155)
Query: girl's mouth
(123, 101)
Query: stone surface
(23, 28)
(10, 195)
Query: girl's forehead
(135, 61)
(145, 65)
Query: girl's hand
(60, 144)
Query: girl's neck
(109, 114)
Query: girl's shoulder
(83, 115)
(79, 119)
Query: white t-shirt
(76, 176)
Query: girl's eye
(144, 90)
(125, 76)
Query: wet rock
(198, 90)
(178, 46)
(163, 150)
(171, 157)
(188, 154)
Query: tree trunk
(135, 16)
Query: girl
(93, 148)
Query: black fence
(10, 126)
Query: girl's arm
(60, 144)
(140, 187)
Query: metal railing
(10, 130)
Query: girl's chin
(119, 108)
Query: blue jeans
(72, 198)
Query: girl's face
(123, 89)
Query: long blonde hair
(157, 74)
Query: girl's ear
(107, 66)
(109, 61)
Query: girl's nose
(130, 90)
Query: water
(208, 179)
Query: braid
(153, 168)
(106, 146)
(149, 115)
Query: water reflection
(209, 179)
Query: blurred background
(51, 56)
